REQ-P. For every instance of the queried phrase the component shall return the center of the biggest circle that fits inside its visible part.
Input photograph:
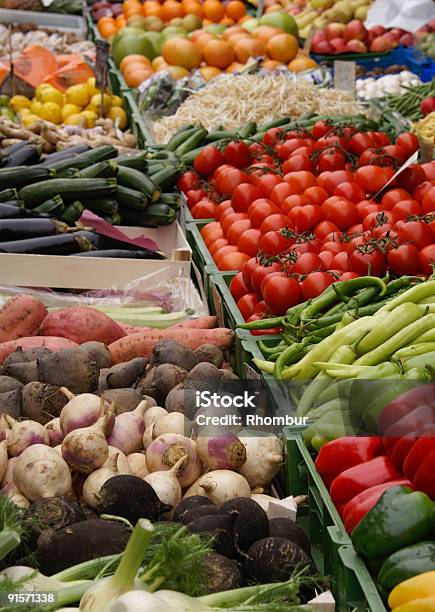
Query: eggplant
(65, 154)
(59, 244)
(14, 148)
(25, 156)
(123, 253)
(9, 210)
(20, 229)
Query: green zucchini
(103, 169)
(161, 156)
(171, 199)
(129, 177)
(189, 158)
(19, 176)
(72, 212)
(114, 219)
(156, 166)
(51, 207)
(138, 161)
(220, 135)
(247, 130)
(192, 142)
(68, 173)
(180, 136)
(69, 189)
(88, 158)
(107, 206)
(165, 178)
(130, 198)
(273, 124)
(153, 215)
(7, 195)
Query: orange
(135, 75)
(232, 30)
(153, 9)
(244, 18)
(235, 67)
(134, 59)
(271, 64)
(133, 10)
(235, 9)
(301, 63)
(177, 72)
(197, 34)
(181, 52)
(213, 10)
(120, 22)
(172, 9)
(218, 53)
(203, 40)
(248, 47)
(194, 8)
(227, 21)
(158, 63)
(234, 38)
(282, 47)
(265, 33)
(107, 28)
(209, 72)
(206, 22)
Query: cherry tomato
(370, 178)
(408, 142)
(315, 283)
(187, 181)
(249, 241)
(232, 261)
(260, 209)
(411, 177)
(260, 273)
(427, 259)
(306, 263)
(406, 208)
(324, 228)
(237, 229)
(404, 260)
(237, 154)
(417, 233)
(350, 191)
(367, 261)
(316, 195)
(247, 271)
(343, 214)
(428, 201)
(228, 180)
(281, 293)
(274, 222)
(273, 243)
(205, 209)
(208, 160)
(392, 197)
(292, 201)
(243, 196)
(238, 287)
(297, 162)
(246, 304)
(308, 217)
(220, 208)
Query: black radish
(54, 513)
(221, 574)
(275, 559)
(250, 525)
(220, 527)
(195, 513)
(286, 528)
(196, 501)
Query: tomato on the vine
(320, 129)
(350, 191)
(285, 149)
(247, 271)
(246, 304)
(273, 136)
(316, 195)
(417, 233)
(371, 178)
(267, 182)
(260, 273)
(342, 213)
(315, 283)
(274, 222)
(308, 217)
(237, 229)
(187, 181)
(428, 201)
(331, 159)
(228, 180)
(260, 209)
(360, 142)
(249, 241)
(408, 142)
(411, 177)
(297, 162)
(243, 196)
(208, 160)
(324, 228)
(280, 192)
(281, 293)
(404, 260)
(238, 287)
(393, 196)
(427, 259)
(406, 208)
(237, 153)
(367, 260)
(204, 209)
(306, 263)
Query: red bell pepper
(401, 448)
(413, 423)
(419, 465)
(358, 506)
(361, 477)
(343, 453)
(405, 404)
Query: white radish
(166, 485)
(138, 464)
(128, 430)
(55, 433)
(164, 452)
(23, 434)
(81, 411)
(86, 449)
(95, 481)
(174, 422)
(153, 413)
(264, 457)
(220, 486)
(40, 472)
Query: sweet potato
(199, 323)
(81, 324)
(142, 344)
(20, 317)
(54, 343)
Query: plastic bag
(408, 15)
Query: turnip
(148, 436)
(3, 458)
(86, 449)
(121, 460)
(263, 458)
(138, 464)
(153, 413)
(95, 481)
(81, 411)
(220, 486)
(166, 485)
(54, 431)
(128, 430)
(221, 452)
(174, 422)
(8, 477)
(166, 450)
(263, 500)
(41, 472)
(23, 434)
(15, 496)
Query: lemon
(78, 94)
(116, 101)
(29, 120)
(41, 88)
(91, 87)
(76, 119)
(69, 109)
(49, 94)
(90, 118)
(50, 111)
(18, 102)
(91, 107)
(23, 111)
(36, 106)
(119, 115)
(96, 101)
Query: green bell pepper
(401, 517)
(406, 563)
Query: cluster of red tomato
(293, 212)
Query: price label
(344, 76)
(101, 64)
(217, 301)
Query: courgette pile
(122, 189)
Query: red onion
(164, 452)
(86, 449)
(23, 434)
(221, 452)
(82, 411)
(128, 430)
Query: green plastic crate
(356, 583)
